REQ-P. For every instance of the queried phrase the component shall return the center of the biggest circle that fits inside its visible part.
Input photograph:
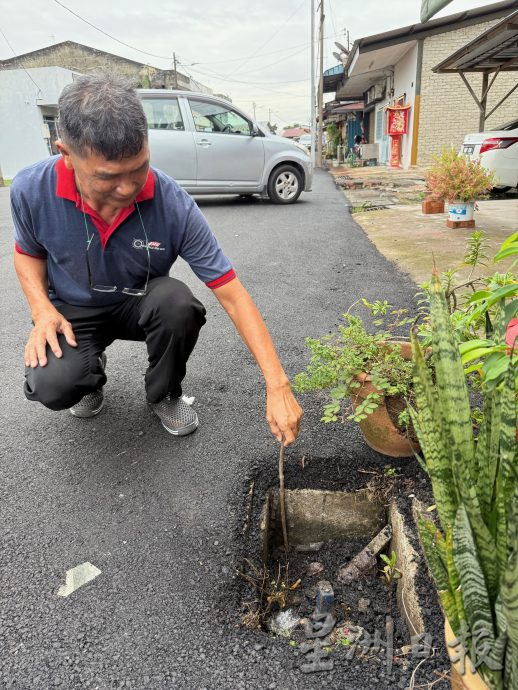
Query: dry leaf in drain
(278, 598)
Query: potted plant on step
(456, 179)
(430, 205)
(472, 547)
(368, 378)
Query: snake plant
(472, 551)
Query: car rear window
(163, 113)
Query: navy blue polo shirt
(49, 224)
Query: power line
(332, 16)
(273, 52)
(21, 64)
(213, 75)
(237, 81)
(162, 57)
(276, 63)
(281, 117)
(171, 57)
(233, 81)
(251, 83)
(281, 26)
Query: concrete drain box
(315, 517)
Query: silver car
(210, 147)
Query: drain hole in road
(328, 578)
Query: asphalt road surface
(159, 516)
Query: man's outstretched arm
(48, 322)
(283, 412)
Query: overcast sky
(256, 52)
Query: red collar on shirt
(66, 189)
(66, 184)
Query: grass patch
(367, 206)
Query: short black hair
(102, 114)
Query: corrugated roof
(346, 107)
(295, 132)
(415, 31)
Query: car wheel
(284, 185)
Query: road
(160, 516)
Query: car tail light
(497, 143)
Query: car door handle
(204, 143)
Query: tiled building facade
(448, 111)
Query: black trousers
(168, 318)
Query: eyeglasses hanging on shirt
(135, 292)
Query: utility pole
(253, 106)
(313, 94)
(175, 72)
(320, 89)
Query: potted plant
(472, 548)
(430, 205)
(368, 378)
(333, 139)
(456, 179)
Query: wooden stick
(282, 497)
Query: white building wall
(22, 139)
(404, 83)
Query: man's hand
(283, 413)
(48, 322)
(46, 327)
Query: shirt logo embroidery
(140, 244)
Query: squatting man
(96, 233)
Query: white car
(305, 140)
(497, 150)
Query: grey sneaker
(177, 417)
(91, 404)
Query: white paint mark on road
(77, 577)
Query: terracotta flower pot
(429, 206)
(467, 681)
(380, 432)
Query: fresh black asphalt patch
(161, 517)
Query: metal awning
(332, 78)
(494, 51)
